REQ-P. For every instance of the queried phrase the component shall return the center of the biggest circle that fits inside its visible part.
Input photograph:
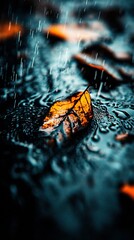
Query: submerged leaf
(128, 190)
(68, 116)
(73, 32)
(9, 30)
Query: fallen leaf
(124, 137)
(9, 30)
(128, 190)
(105, 53)
(101, 63)
(124, 57)
(67, 117)
(97, 72)
(73, 32)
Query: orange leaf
(101, 63)
(8, 30)
(68, 116)
(125, 137)
(96, 71)
(128, 190)
(72, 32)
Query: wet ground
(73, 191)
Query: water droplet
(28, 78)
(103, 130)
(132, 106)
(113, 126)
(127, 126)
(121, 114)
(93, 148)
(95, 136)
(111, 144)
